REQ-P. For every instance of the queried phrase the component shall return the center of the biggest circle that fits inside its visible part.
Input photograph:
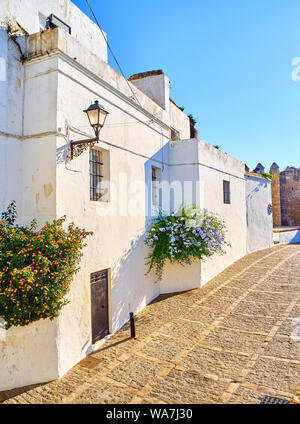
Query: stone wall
(290, 196)
(285, 195)
(276, 202)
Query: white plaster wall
(259, 222)
(40, 97)
(38, 181)
(289, 237)
(29, 355)
(178, 278)
(112, 245)
(4, 7)
(3, 78)
(38, 145)
(11, 120)
(118, 226)
(219, 167)
(179, 121)
(205, 168)
(157, 87)
(184, 177)
(56, 90)
(83, 29)
(52, 40)
(27, 170)
(9, 172)
(183, 180)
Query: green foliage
(10, 216)
(36, 268)
(192, 119)
(187, 236)
(267, 175)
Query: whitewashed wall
(118, 226)
(203, 167)
(259, 222)
(54, 89)
(11, 121)
(29, 355)
(26, 13)
(289, 237)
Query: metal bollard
(132, 325)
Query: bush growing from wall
(184, 237)
(36, 268)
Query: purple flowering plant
(185, 237)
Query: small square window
(226, 192)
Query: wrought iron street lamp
(97, 116)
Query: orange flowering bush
(36, 268)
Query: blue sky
(229, 62)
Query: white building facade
(258, 212)
(48, 77)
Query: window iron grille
(96, 176)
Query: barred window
(96, 174)
(226, 192)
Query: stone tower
(290, 196)
(259, 168)
(276, 201)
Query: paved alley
(236, 340)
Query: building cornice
(28, 137)
(57, 134)
(70, 61)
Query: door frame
(109, 315)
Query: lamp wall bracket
(78, 147)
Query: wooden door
(99, 305)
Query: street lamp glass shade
(97, 115)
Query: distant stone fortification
(285, 195)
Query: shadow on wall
(252, 194)
(256, 190)
(295, 237)
(131, 289)
(61, 154)
(157, 163)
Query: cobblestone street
(229, 342)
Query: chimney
(156, 85)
